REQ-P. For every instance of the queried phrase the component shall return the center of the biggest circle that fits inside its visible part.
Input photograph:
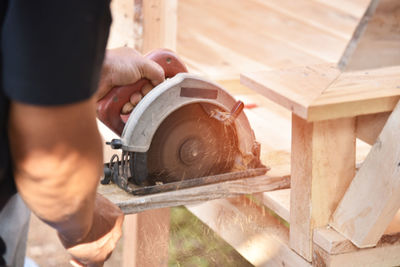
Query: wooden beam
(159, 24)
(256, 235)
(322, 166)
(359, 31)
(373, 197)
(146, 237)
(370, 126)
(375, 44)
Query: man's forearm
(57, 158)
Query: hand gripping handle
(109, 107)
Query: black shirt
(51, 54)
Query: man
(50, 148)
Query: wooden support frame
(320, 175)
(373, 197)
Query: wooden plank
(276, 40)
(379, 45)
(373, 197)
(278, 201)
(331, 241)
(256, 235)
(371, 257)
(322, 166)
(293, 88)
(370, 126)
(129, 204)
(159, 24)
(330, 19)
(146, 237)
(213, 48)
(334, 243)
(297, 34)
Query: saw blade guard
(177, 93)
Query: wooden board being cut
(128, 203)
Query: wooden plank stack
(330, 72)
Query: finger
(152, 71)
(75, 263)
(127, 108)
(135, 98)
(146, 89)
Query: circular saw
(187, 131)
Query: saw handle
(109, 107)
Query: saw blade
(190, 144)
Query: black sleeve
(52, 50)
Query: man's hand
(102, 238)
(123, 66)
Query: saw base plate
(132, 188)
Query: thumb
(152, 71)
